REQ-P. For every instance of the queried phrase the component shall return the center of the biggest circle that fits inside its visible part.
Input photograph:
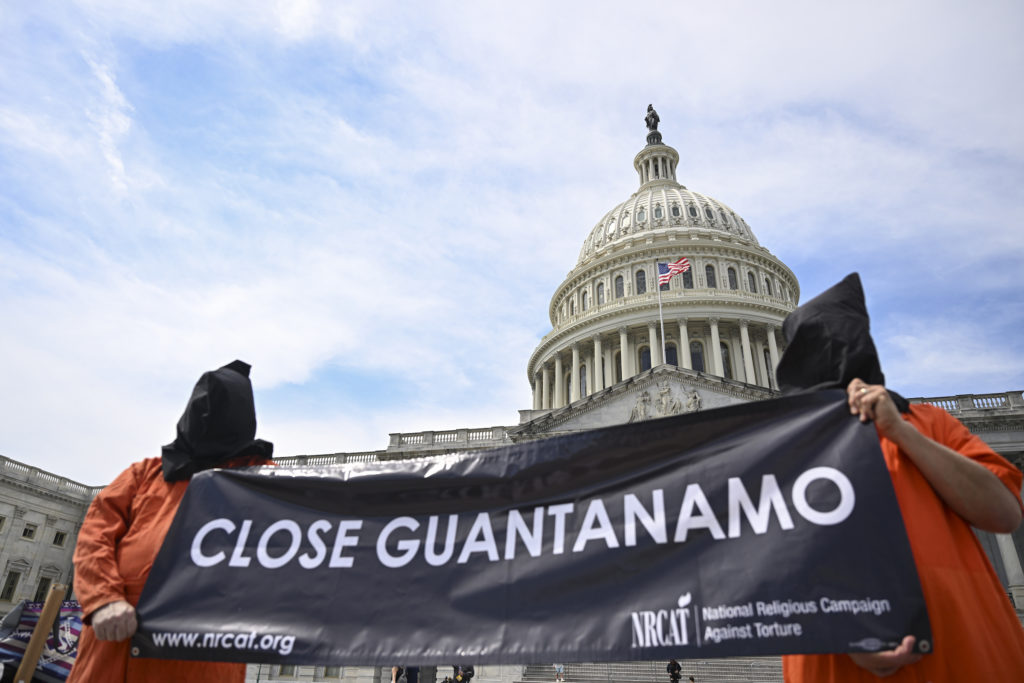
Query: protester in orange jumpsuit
(946, 480)
(128, 520)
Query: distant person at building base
(674, 671)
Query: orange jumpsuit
(117, 545)
(975, 633)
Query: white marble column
(598, 358)
(736, 359)
(1014, 571)
(684, 346)
(773, 352)
(536, 392)
(624, 353)
(574, 377)
(559, 382)
(716, 349)
(748, 359)
(766, 380)
(546, 379)
(591, 374)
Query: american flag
(667, 270)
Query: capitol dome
(716, 326)
(663, 206)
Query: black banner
(764, 528)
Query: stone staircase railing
(732, 670)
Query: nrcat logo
(663, 627)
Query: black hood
(829, 343)
(219, 423)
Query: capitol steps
(732, 670)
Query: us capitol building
(609, 359)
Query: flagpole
(661, 317)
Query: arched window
(733, 284)
(600, 293)
(697, 356)
(709, 274)
(767, 286)
(583, 381)
(671, 357)
(645, 358)
(688, 279)
(641, 282)
(641, 216)
(726, 361)
(710, 214)
(585, 300)
(620, 287)
(617, 370)
(693, 211)
(752, 282)
(658, 212)
(675, 211)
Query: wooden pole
(39, 634)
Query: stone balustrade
(425, 443)
(454, 439)
(668, 298)
(972, 403)
(36, 478)
(326, 460)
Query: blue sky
(373, 202)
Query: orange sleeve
(950, 432)
(97, 577)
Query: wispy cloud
(940, 356)
(372, 202)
